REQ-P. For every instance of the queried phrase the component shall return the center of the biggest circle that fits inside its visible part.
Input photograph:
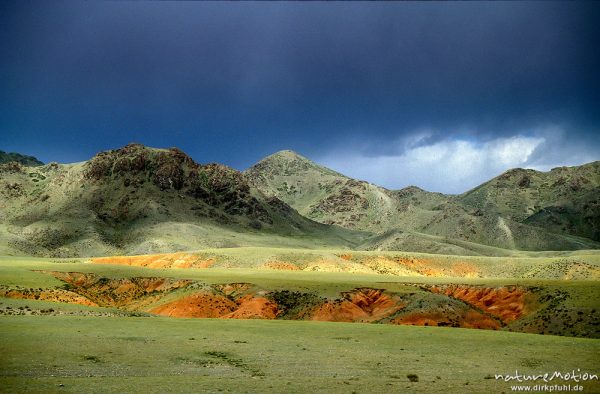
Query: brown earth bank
(56, 295)
(250, 307)
(202, 304)
(515, 308)
(466, 319)
(128, 293)
(507, 303)
(359, 305)
(208, 305)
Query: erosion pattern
(399, 265)
(515, 308)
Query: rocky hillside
(507, 213)
(19, 158)
(137, 200)
(324, 195)
(141, 200)
(563, 200)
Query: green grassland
(125, 354)
(58, 347)
(248, 262)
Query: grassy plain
(58, 347)
(126, 354)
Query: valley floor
(266, 319)
(132, 354)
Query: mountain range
(6, 157)
(137, 199)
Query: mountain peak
(288, 163)
(166, 167)
(286, 155)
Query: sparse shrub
(293, 303)
(94, 359)
(524, 182)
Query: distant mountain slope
(141, 200)
(563, 200)
(324, 195)
(407, 219)
(138, 200)
(19, 158)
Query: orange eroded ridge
(166, 260)
(208, 305)
(506, 303)
(464, 319)
(197, 305)
(403, 266)
(360, 305)
(433, 305)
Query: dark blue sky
(394, 93)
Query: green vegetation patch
(379, 358)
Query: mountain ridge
(8, 157)
(338, 199)
(137, 199)
(143, 200)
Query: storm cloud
(456, 164)
(344, 83)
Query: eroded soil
(564, 269)
(359, 305)
(516, 308)
(507, 303)
(167, 260)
